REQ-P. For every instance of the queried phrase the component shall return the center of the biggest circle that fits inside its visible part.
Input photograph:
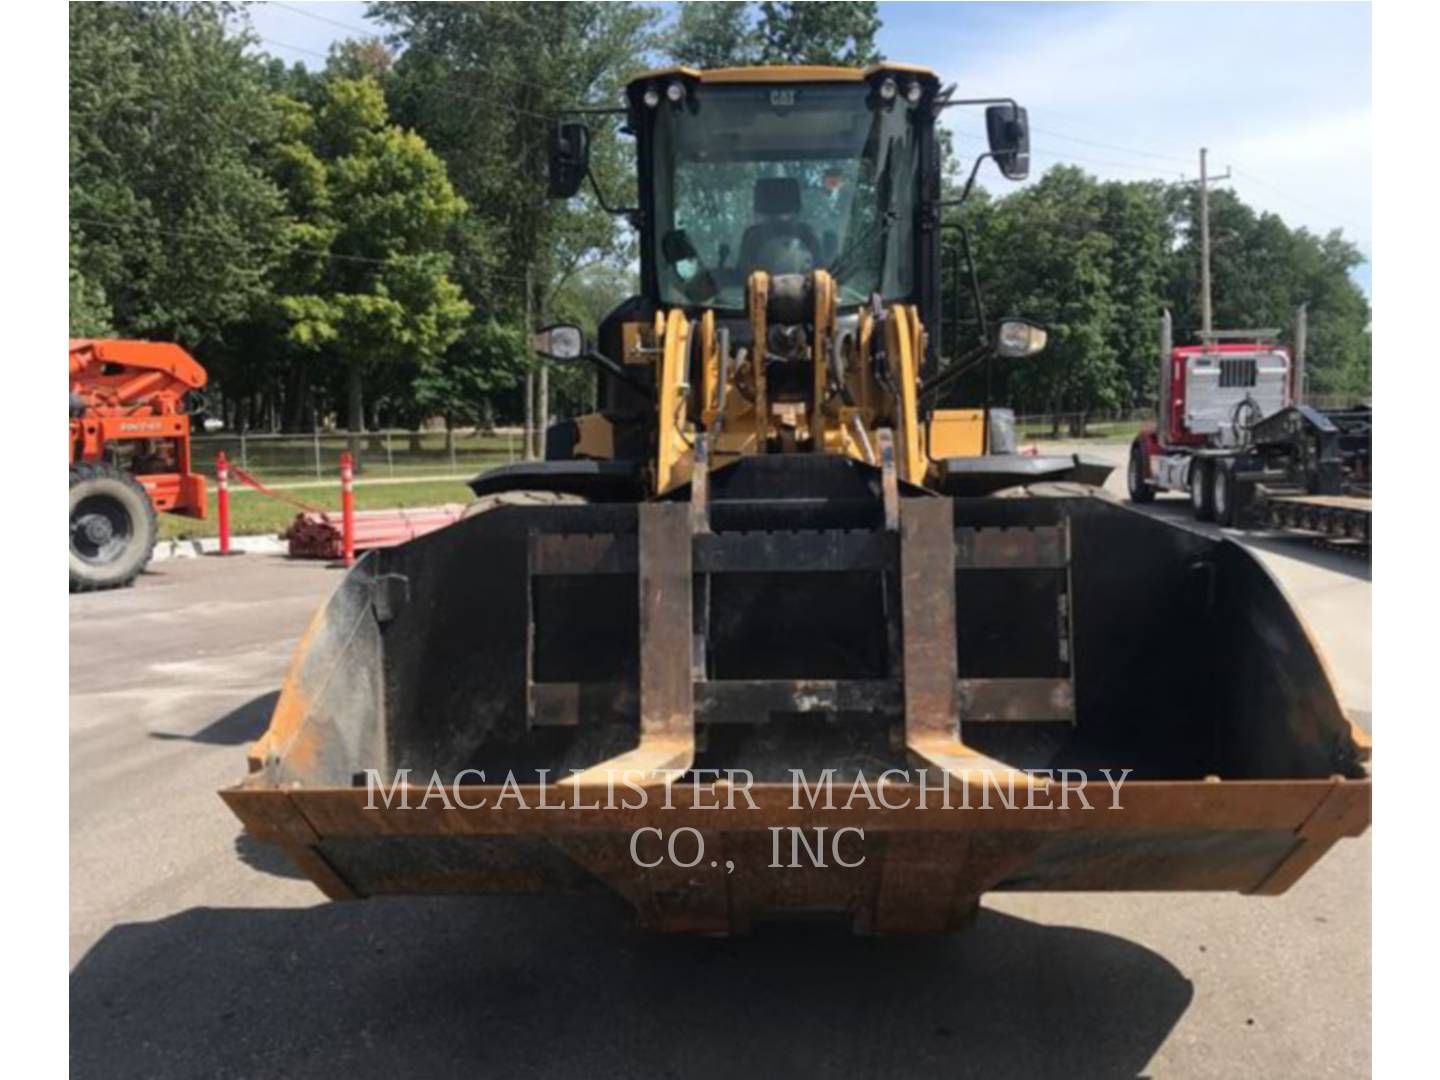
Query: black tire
(1224, 493)
(486, 503)
(1141, 490)
(112, 528)
(1200, 490)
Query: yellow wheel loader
(771, 634)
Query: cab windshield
(786, 179)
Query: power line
(321, 18)
(1109, 146)
(1174, 152)
(213, 237)
(1099, 144)
(469, 99)
(374, 32)
(1149, 171)
(1298, 202)
(1273, 189)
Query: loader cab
(825, 181)
(786, 170)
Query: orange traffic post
(222, 499)
(347, 505)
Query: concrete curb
(268, 544)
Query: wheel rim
(100, 529)
(1222, 492)
(1197, 487)
(1135, 477)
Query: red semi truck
(1231, 433)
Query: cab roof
(785, 73)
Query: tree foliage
(1097, 262)
(714, 35)
(710, 35)
(829, 33)
(173, 217)
(362, 235)
(375, 208)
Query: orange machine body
(130, 397)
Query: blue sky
(1279, 92)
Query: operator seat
(777, 206)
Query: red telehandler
(130, 420)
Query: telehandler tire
(112, 528)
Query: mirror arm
(631, 213)
(948, 204)
(950, 103)
(618, 371)
(975, 293)
(960, 367)
(976, 296)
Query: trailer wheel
(1224, 493)
(1141, 490)
(112, 528)
(1201, 492)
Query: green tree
(828, 33)
(89, 310)
(1043, 253)
(173, 218)
(376, 206)
(1133, 216)
(714, 35)
(483, 83)
(1261, 271)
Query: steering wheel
(788, 247)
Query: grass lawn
(253, 514)
(1115, 431)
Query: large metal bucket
(784, 707)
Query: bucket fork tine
(928, 647)
(667, 693)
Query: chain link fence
(379, 455)
(1099, 424)
(1121, 425)
(463, 452)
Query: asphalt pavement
(197, 952)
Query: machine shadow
(526, 986)
(266, 858)
(238, 727)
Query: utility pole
(1206, 314)
(542, 402)
(1206, 320)
(529, 445)
(1301, 334)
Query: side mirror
(569, 159)
(562, 342)
(1008, 128)
(1016, 339)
